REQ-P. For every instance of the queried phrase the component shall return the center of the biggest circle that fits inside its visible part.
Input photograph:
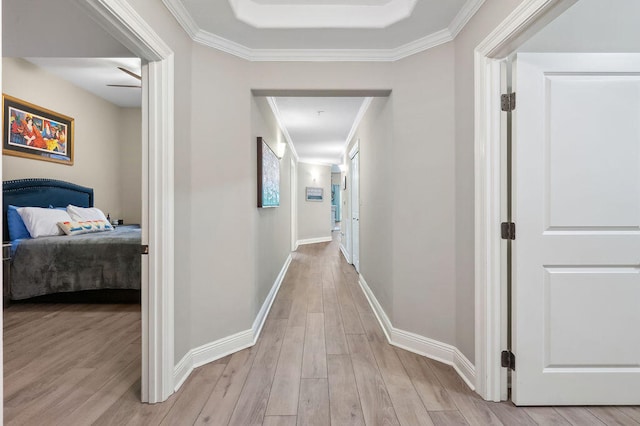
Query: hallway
(322, 359)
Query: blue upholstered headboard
(42, 193)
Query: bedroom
(107, 158)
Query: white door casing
(294, 205)
(576, 287)
(124, 23)
(355, 207)
(525, 21)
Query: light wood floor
(321, 359)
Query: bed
(67, 263)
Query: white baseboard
(345, 254)
(220, 348)
(210, 352)
(266, 305)
(314, 240)
(421, 345)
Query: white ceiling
(318, 127)
(321, 13)
(93, 75)
(60, 28)
(383, 30)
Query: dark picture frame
(31, 131)
(268, 176)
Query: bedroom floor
(321, 359)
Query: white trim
(464, 16)
(124, 23)
(220, 348)
(420, 345)
(416, 46)
(314, 240)
(210, 352)
(488, 298)
(437, 38)
(293, 186)
(354, 150)
(266, 305)
(345, 254)
(366, 103)
(276, 113)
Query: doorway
(294, 205)
(490, 299)
(120, 20)
(354, 171)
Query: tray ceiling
(324, 30)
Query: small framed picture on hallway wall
(314, 194)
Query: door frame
(352, 152)
(529, 17)
(293, 175)
(129, 28)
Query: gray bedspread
(103, 260)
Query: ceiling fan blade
(131, 73)
(124, 85)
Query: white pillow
(42, 222)
(77, 228)
(82, 214)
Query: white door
(294, 205)
(576, 294)
(355, 210)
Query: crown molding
(212, 40)
(276, 113)
(322, 55)
(356, 123)
(183, 17)
(420, 45)
(464, 15)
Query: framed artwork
(31, 131)
(268, 176)
(314, 194)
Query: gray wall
(130, 125)
(222, 194)
(273, 225)
(424, 211)
(591, 26)
(107, 139)
(375, 136)
(314, 217)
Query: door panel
(576, 292)
(584, 190)
(355, 210)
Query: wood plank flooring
(322, 359)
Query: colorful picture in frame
(268, 176)
(31, 131)
(314, 193)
